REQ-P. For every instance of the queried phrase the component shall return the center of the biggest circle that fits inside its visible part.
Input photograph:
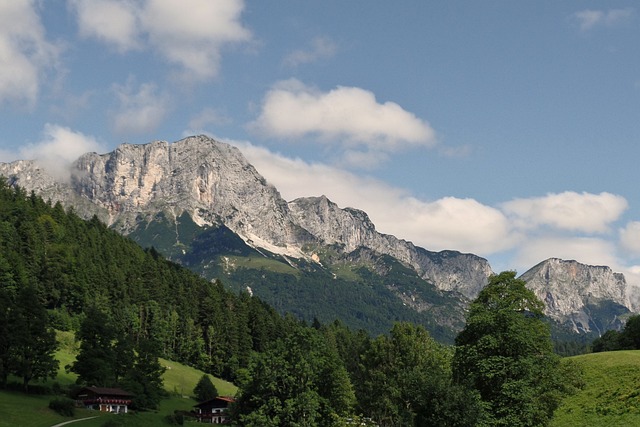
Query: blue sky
(507, 129)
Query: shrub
(63, 406)
(175, 419)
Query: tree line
(128, 306)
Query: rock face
(352, 228)
(214, 184)
(584, 297)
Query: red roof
(105, 391)
(227, 399)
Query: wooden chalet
(214, 411)
(104, 399)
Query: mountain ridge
(168, 194)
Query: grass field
(611, 396)
(19, 409)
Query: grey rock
(571, 291)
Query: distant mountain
(583, 298)
(199, 202)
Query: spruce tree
(205, 389)
(96, 361)
(33, 345)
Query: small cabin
(214, 411)
(103, 399)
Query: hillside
(611, 396)
(200, 203)
(73, 264)
(19, 409)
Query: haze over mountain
(189, 199)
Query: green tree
(144, 380)
(7, 300)
(630, 335)
(34, 341)
(96, 361)
(609, 341)
(298, 381)
(205, 389)
(506, 354)
(410, 373)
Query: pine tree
(144, 380)
(205, 389)
(34, 342)
(96, 361)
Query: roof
(106, 391)
(227, 399)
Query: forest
(128, 306)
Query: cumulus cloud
(350, 114)
(321, 48)
(586, 250)
(516, 241)
(140, 111)
(114, 22)
(25, 53)
(630, 237)
(449, 223)
(585, 212)
(59, 147)
(590, 19)
(188, 33)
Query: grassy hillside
(18, 409)
(611, 396)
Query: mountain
(583, 298)
(202, 204)
(199, 202)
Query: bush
(63, 406)
(175, 419)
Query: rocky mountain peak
(572, 292)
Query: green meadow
(611, 395)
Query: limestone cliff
(587, 298)
(352, 228)
(214, 184)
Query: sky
(506, 129)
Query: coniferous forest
(128, 306)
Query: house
(104, 399)
(214, 411)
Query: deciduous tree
(506, 354)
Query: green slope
(18, 409)
(611, 396)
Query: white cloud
(59, 147)
(25, 53)
(321, 48)
(585, 250)
(191, 33)
(140, 111)
(449, 223)
(188, 33)
(361, 159)
(589, 19)
(114, 22)
(586, 212)
(630, 237)
(350, 114)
